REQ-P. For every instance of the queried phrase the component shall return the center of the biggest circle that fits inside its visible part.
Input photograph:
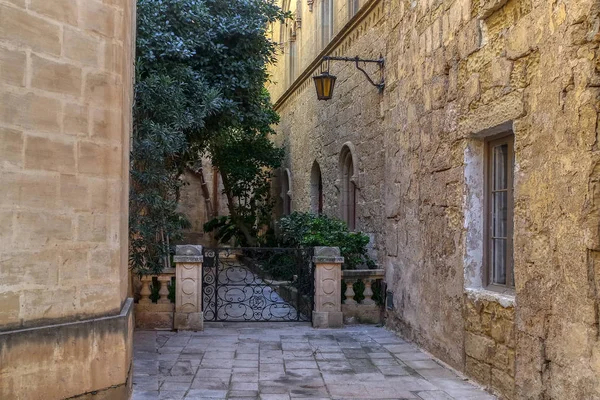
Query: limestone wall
(490, 344)
(192, 204)
(457, 71)
(66, 70)
(306, 25)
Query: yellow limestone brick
(30, 111)
(74, 192)
(55, 77)
(60, 10)
(104, 263)
(103, 88)
(80, 46)
(104, 195)
(6, 233)
(20, 3)
(99, 159)
(107, 124)
(33, 268)
(504, 383)
(73, 266)
(92, 227)
(40, 228)
(480, 371)
(479, 347)
(75, 119)
(22, 28)
(48, 303)
(11, 147)
(28, 190)
(99, 18)
(113, 56)
(12, 67)
(11, 305)
(49, 154)
(501, 70)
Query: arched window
(348, 180)
(286, 191)
(292, 58)
(327, 9)
(316, 190)
(353, 6)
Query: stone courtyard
(290, 360)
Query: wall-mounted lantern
(325, 82)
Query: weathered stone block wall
(490, 344)
(65, 95)
(192, 204)
(90, 359)
(66, 73)
(455, 71)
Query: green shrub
(309, 230)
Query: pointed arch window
(316, 190)
(327, 20)
(353, 6)
(286, 192)
(292, 58)
(348, 181)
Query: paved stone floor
(274, 361)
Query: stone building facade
(66, 73)
(472, 87)
(201, 199)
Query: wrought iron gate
(257, 284)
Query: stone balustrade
(367, 310)
(185, 311)
(159, 314)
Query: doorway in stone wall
(257, 284)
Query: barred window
(499, 211)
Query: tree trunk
(199, 171)
(250, 240)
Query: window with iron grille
(498, 249)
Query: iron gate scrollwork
(257, 284)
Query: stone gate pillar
(328, 288)
(188, 288)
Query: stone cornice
(333, 44)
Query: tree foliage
(200, 74)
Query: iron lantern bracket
(380, 61)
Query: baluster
(349, 292)
(164, 289)
(145, 292)
(368, 293)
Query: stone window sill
(505, 298)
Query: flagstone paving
(276, 361)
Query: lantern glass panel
(324, 85)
